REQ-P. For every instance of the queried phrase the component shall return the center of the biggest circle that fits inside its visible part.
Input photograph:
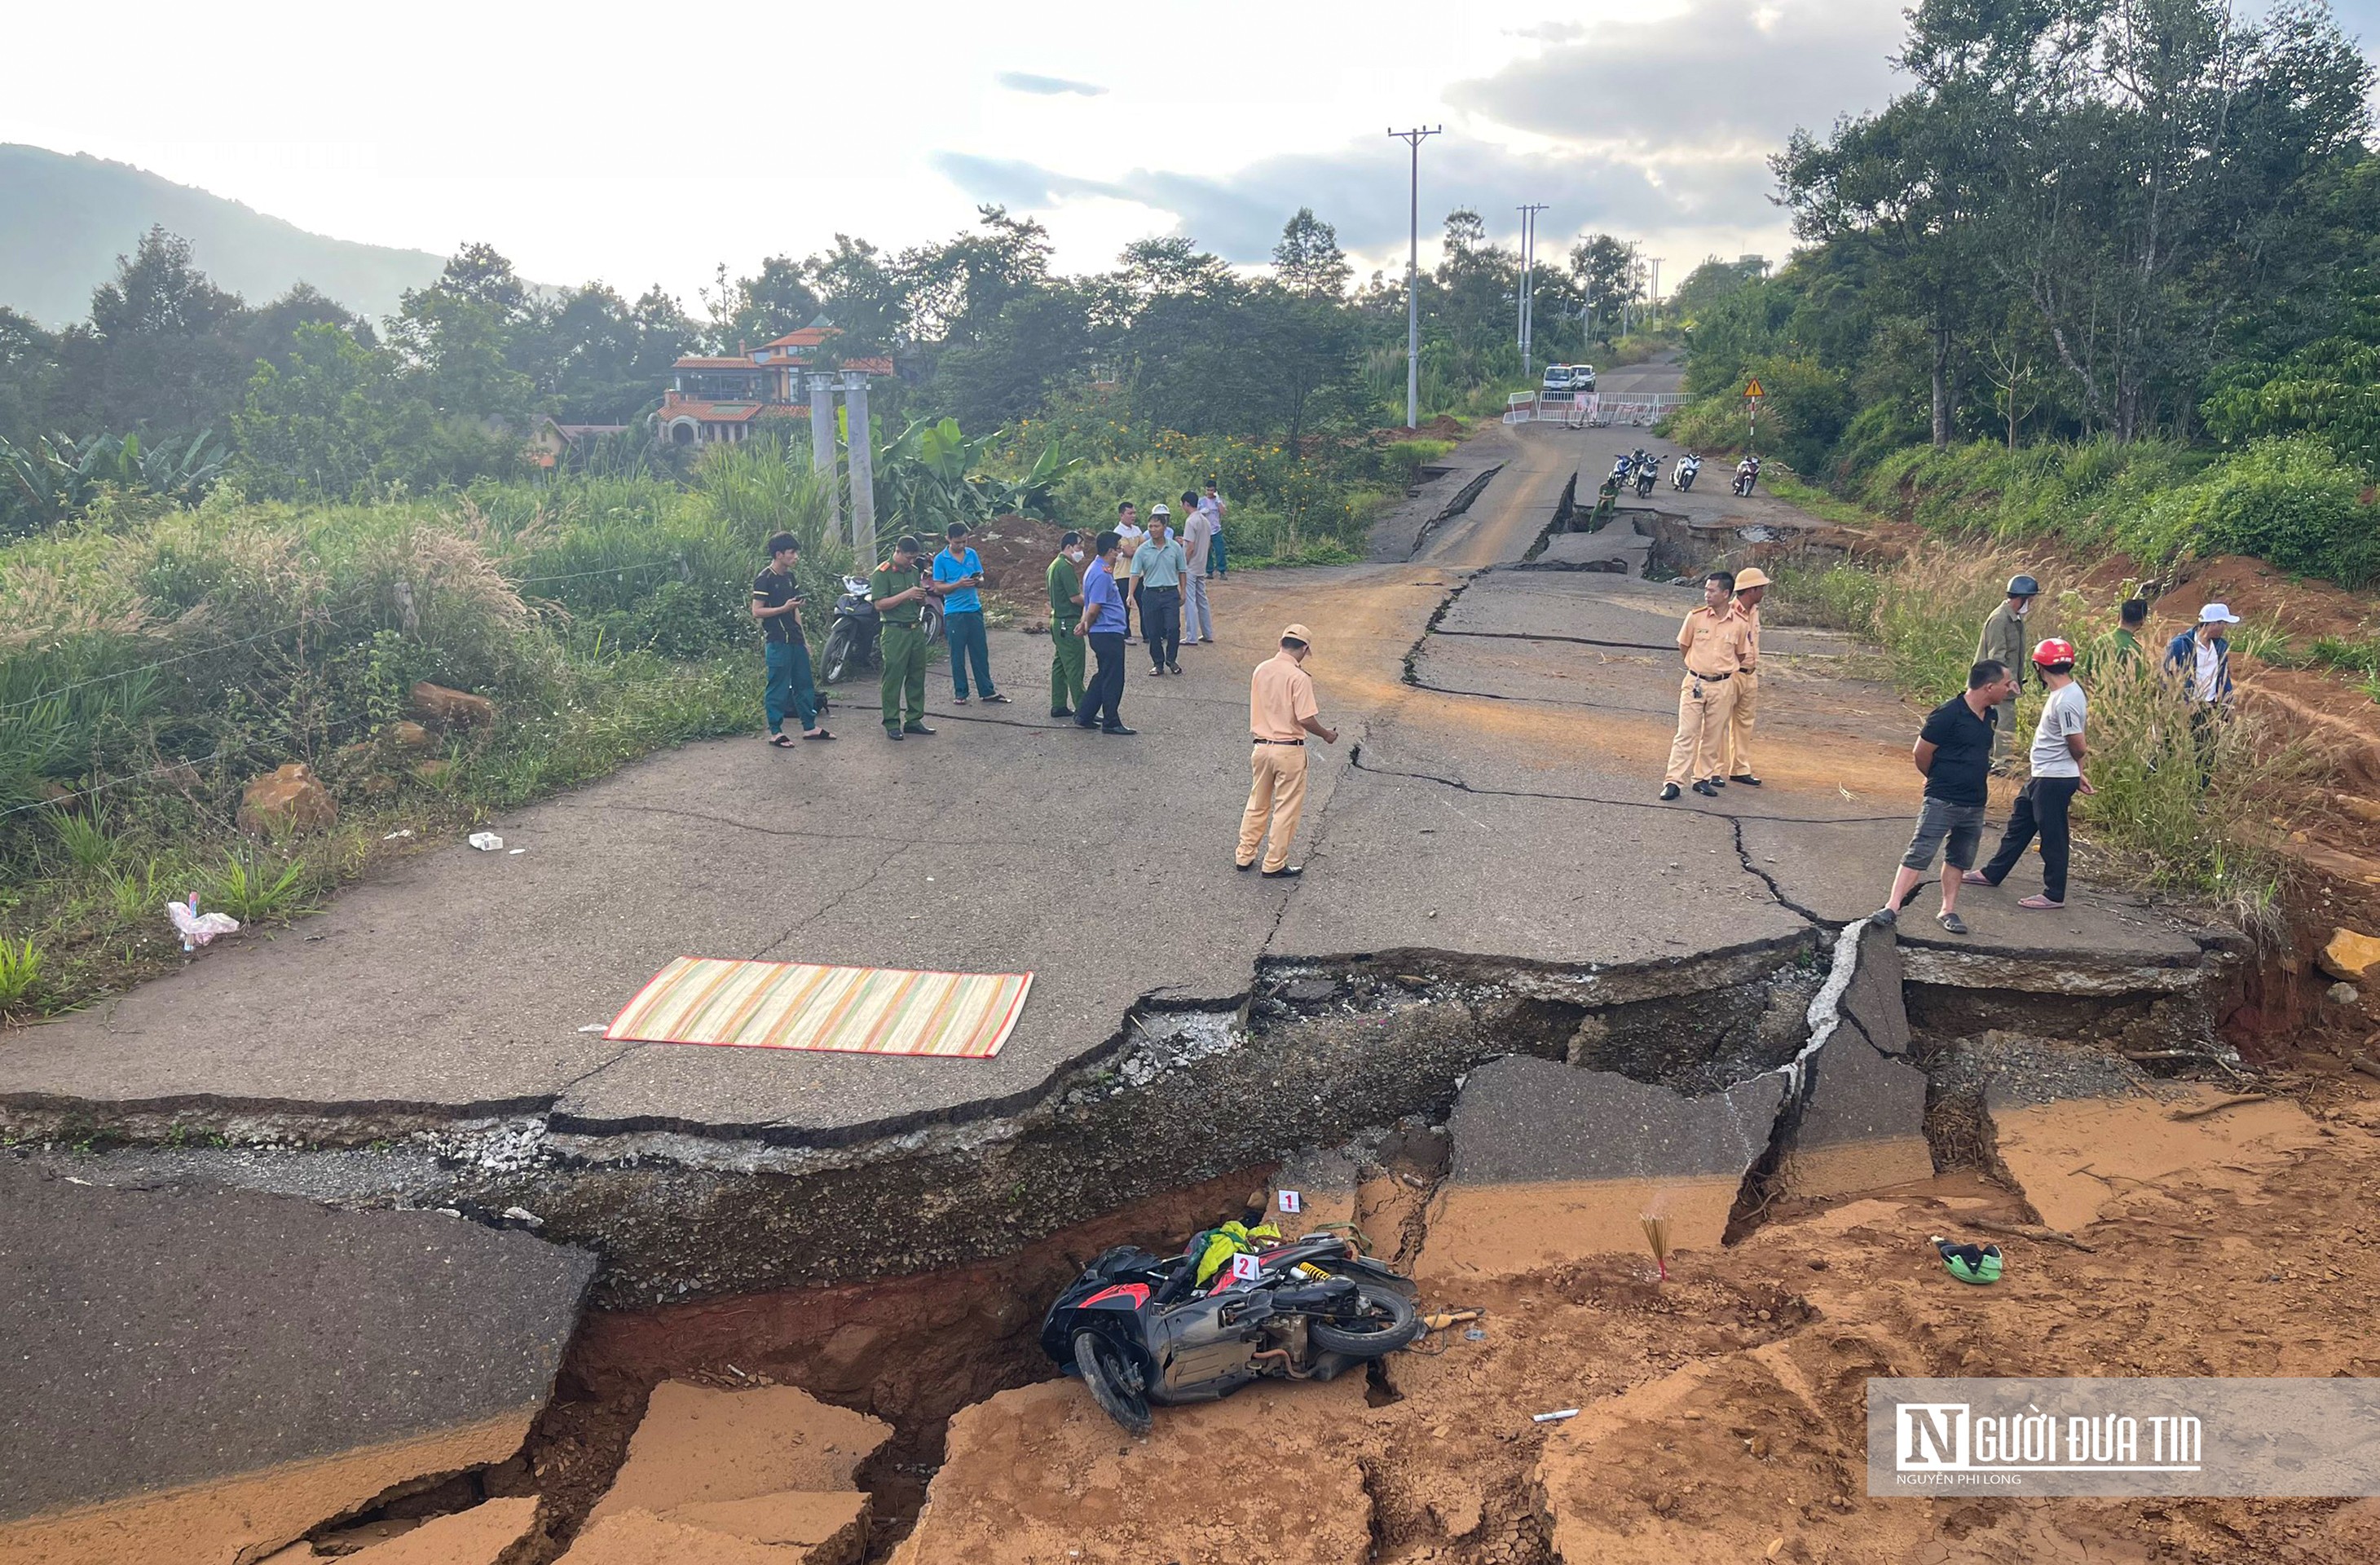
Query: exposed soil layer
(1723, 1413)
(910, 1351)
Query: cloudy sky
(647, 143)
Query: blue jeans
(964, 630)
(789, 684)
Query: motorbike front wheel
(841, 645)
(1114, 1382)
(1383, 1323)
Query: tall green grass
(2150, 815)
(152, 663)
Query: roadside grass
(1824, 504)
(2150, 815)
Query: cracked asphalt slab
(455, 983)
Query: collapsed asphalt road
(1488, 875)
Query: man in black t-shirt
(777, 604)
(1954, 754)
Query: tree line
(308, 398)
(2119, 219)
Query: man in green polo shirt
(1066, 608)
(899, 590)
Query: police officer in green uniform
(1065, 609)
(899, 590)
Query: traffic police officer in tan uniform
(1716, 651)
(1751, 586)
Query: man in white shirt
(1131, 534)
(2058, 752)
(1197, 541)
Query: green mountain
(65, 219)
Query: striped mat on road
(842, 1010)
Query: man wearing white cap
(2201, 658)
(1751, 587)
(1282, 712)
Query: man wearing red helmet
(2057, 751)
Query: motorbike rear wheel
(1384, 1322)
(837, 658)
(1114, 1382)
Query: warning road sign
(1754, 390)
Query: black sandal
(783, 740)
(821, 734)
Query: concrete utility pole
(863, 467)
(822, 392)
(1656, 262)
(1413, 139)
(1528, 279)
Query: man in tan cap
(1711, 642)
(1751, 587)
(1282, 712)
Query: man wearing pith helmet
(2003, 642)
(1751, 586)
(1282, 712)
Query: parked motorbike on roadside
(1140, 1329)
(851, 645)
(1683, 471)
(1648, 473)
(1748, 473)
(1619, 469)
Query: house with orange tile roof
(725, 397)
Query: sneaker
(1951, 922)
(1884, 917)
(1669, 792)
(1286, 872)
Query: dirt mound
(1017, 552)
(1446, 426)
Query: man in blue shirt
(1102, 627)
(958, 573)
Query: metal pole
(863, 467)
(1655, 301)
(1413, 139)
(821, 391)
(1529, 281)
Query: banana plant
(56, 477)
(932, 475)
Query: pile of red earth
(1017, 552)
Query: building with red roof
(715, 397)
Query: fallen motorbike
(1139, 1328)
(851, 646)
(1681, 473)
(1748, 473)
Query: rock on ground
(288, 799)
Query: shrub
(2289, 501)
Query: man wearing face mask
(1065, 609)
(2003, 642)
